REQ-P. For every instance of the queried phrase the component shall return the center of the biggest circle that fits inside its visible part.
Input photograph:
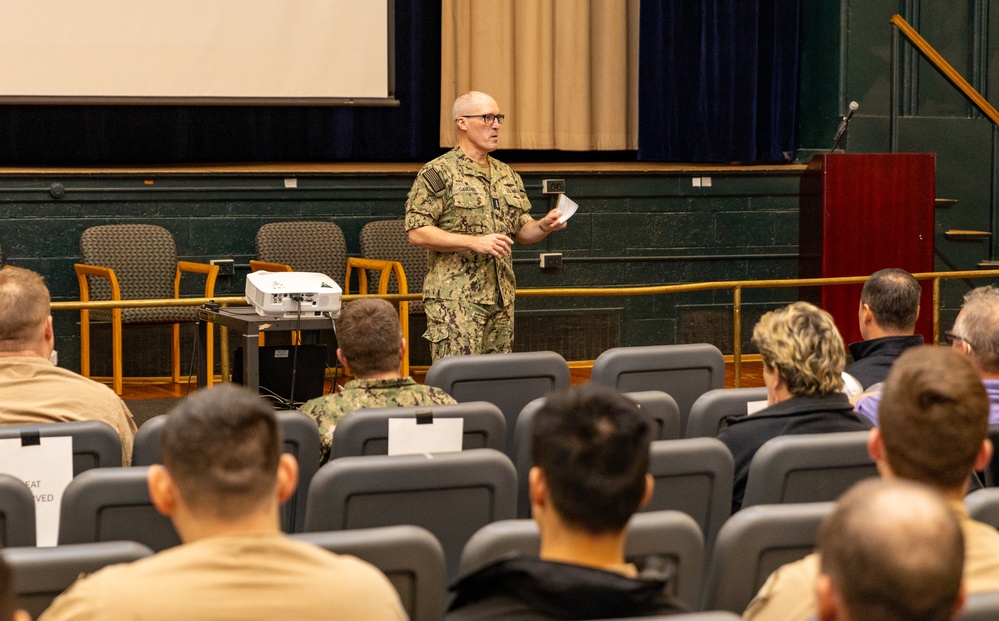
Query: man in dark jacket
(889, 307)
(590, 450)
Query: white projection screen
(212, 52)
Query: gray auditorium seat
(111, 504)
(655, 403)
(980, 607)
(670, 535)
(712, 615)
(410, 556)
(96, 444)
(301, 439)
(808, 468)
(711, 408)
(365, 432)
(450, 494)
(684, 372)
(752, 544)
(983, 505)
(41, 574)
(694, 476)
(17, 513)
(510, 381)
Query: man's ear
(162, 490)
(537, 487)
(875, 446)
(650, 486)
(826, 599)
(287, 477)
(402, 350)
(342, 359)
(984, 455)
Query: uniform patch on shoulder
(433, 179)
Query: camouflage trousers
(460, 328)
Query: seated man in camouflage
(372, 348)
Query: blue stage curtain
(718, 80)
(109, 135)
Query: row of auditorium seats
(750, 546)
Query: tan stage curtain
(565, 72)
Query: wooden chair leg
(175, 353)
(85, 343)
(116, 365)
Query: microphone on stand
(853, 107)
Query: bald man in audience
(891, 551)
(222, 482)
(934, 426)
(32, 388)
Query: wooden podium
(862, 212)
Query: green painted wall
(633, 229)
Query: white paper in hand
(566, 206)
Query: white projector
(286, 294)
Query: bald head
(891, 550)
(24, 311)
(470, 103)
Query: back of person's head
(221, 447)
(369, 335)
(893, 297)
(933, 417)
(592, 444)
(978, 325)
(801, 342)
(24, 307)
(894, 551)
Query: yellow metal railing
(736, 286)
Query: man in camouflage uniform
(467, 208)
(371, 347)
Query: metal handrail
(736, 286)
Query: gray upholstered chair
(17, 513)
(96, 444)
(710, 615)
(365, 432)
(410, 556)
(657, 404)
(312, 246)
(129, 262)
(752, 544)
(808, 468)
(980, 607)
(301, 439)
(42, 574)
(684, 372)
(670, 535)
(110, 504)
(694, 476)
(510, 381)
(450, 494)
(711, 408)
(387, 240)
(983, 505)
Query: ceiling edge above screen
(192, 52)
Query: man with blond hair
(32, 388)
(371, 347)
(803, 359)
(467, 209)
(934, 430)
(222, 482)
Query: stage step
(960, 235)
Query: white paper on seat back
(194, 48)
(46, 469)
(406, 437)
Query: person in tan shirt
(892, 550)
(32, 388)
(222, 481)
(933, 430)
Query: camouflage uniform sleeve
(525, 205)
(326, 413)
(425, 203)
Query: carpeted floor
(144, 409)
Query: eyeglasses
(951, 337)
(486, 118)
